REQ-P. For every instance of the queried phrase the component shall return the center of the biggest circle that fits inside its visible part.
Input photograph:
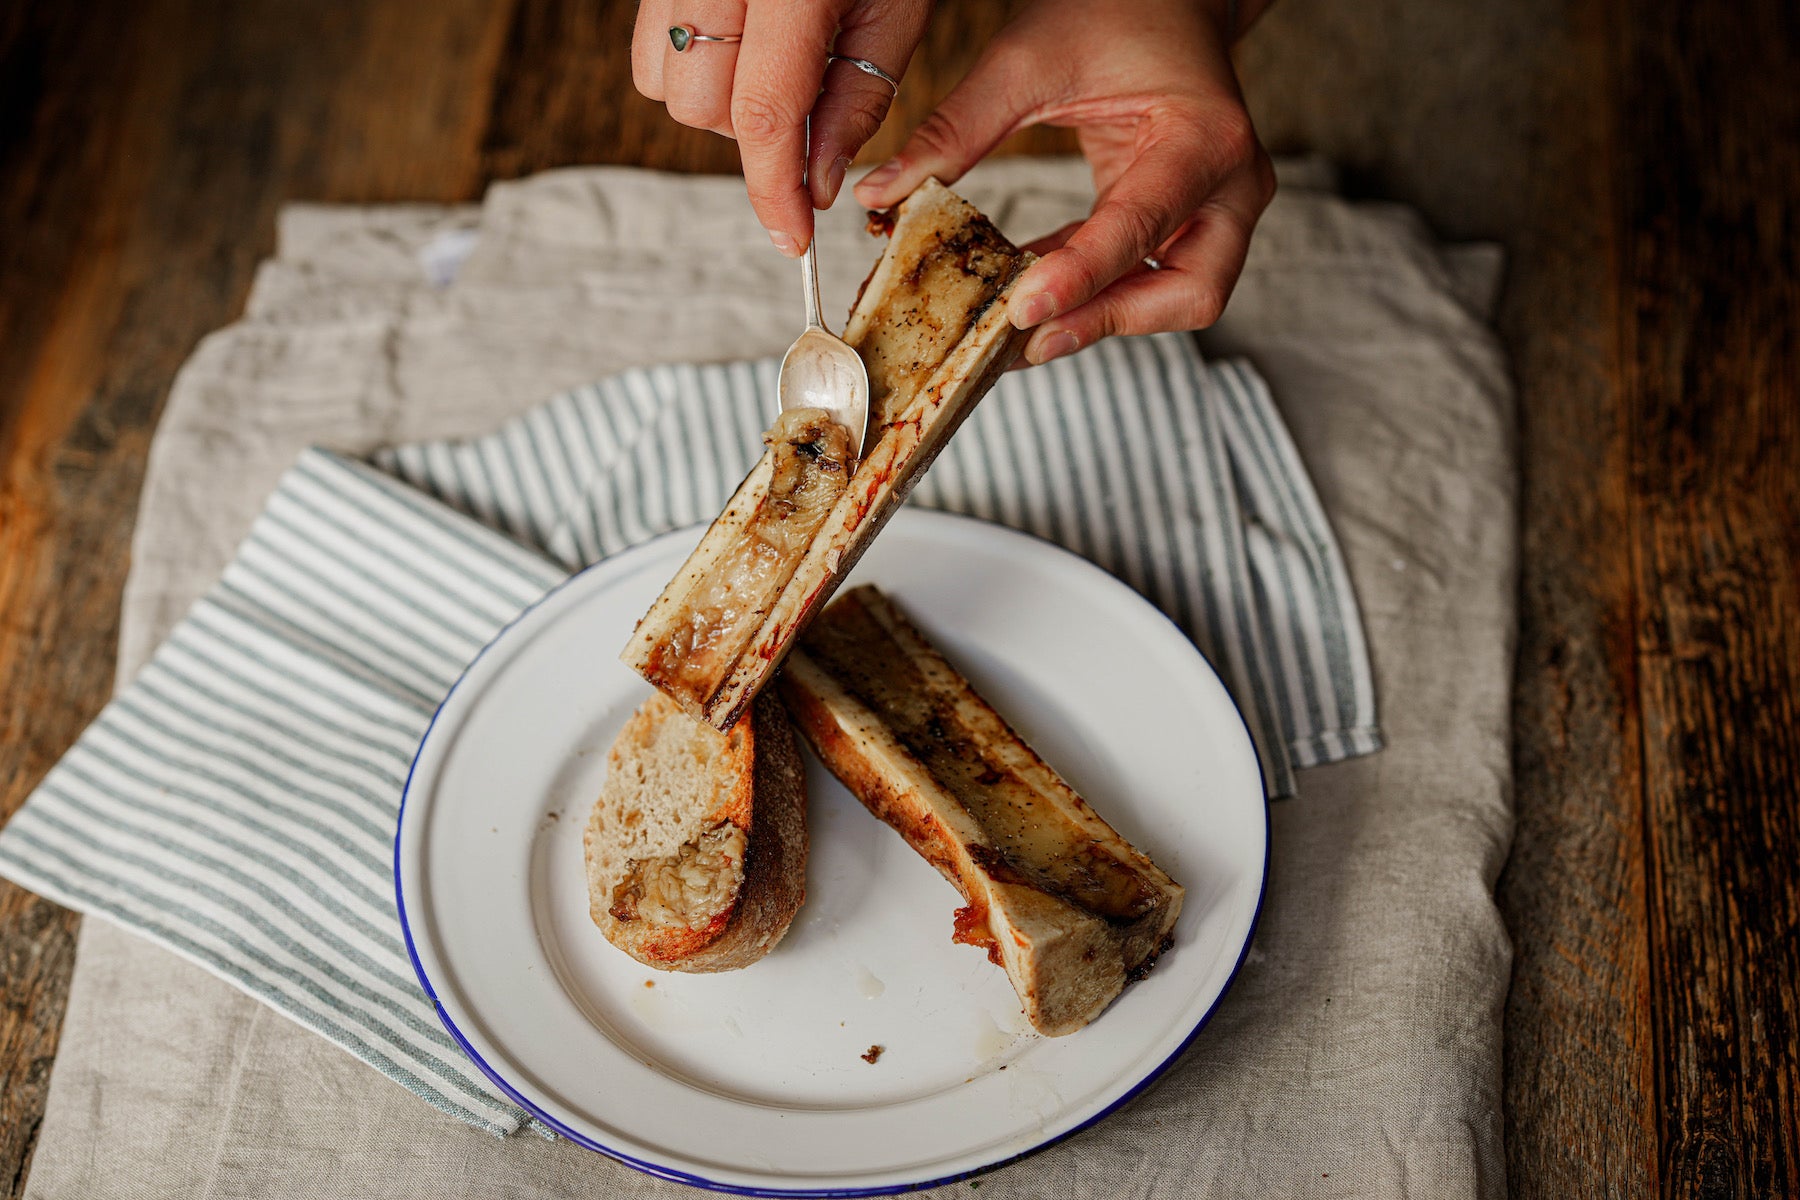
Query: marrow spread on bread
(930, 324)
(1053, 893)
(690, 888)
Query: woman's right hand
(1180, 177)
(762, 90)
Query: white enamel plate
(755, 1080)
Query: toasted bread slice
(931, 326)
(1054, 894)
(696, 849)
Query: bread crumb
(872, 1054)
(649, 983)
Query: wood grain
(1496, 122)
(1710, 277)
(1639, 163)
(58, 146)
(564, 95)
(1580, 1084)
(145, 151)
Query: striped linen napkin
(237, 801)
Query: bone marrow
(1053, 893)
(689, 889)
(930, 325)
(809, 460)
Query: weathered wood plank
(563, 93)
(144, 151)
(1496, 122)
(1710, 279)
(1580, 1079)
(62, 116)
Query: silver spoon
(820, 369)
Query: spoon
(820, 369)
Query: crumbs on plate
(872, 1054)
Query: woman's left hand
(1180, 176)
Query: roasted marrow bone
(1054, 894)
(809, 466)
(931, 326)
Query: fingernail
(834, 179)
(881, 176)
(1033, 308)
(1055, 346)
(785, 243)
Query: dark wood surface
(1641, 163)
(1501, 121)
(1709, 278)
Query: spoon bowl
(821, 370)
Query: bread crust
(766, 799)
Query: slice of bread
(696, 849)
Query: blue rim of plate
(699, 1181)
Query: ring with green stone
(683, 36)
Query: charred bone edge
(915, 429)
(1066, 964)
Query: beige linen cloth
(1359, 1052)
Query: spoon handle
(809, 262)
(809, 285)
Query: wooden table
(1641, 163)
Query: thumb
(991, 102)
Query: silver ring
(683, 36)
(1154, 263)
(867, 68)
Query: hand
(1178, 171)
(762, 91)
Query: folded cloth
(1178, 478)
(1358, 1052)
(236, 802)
